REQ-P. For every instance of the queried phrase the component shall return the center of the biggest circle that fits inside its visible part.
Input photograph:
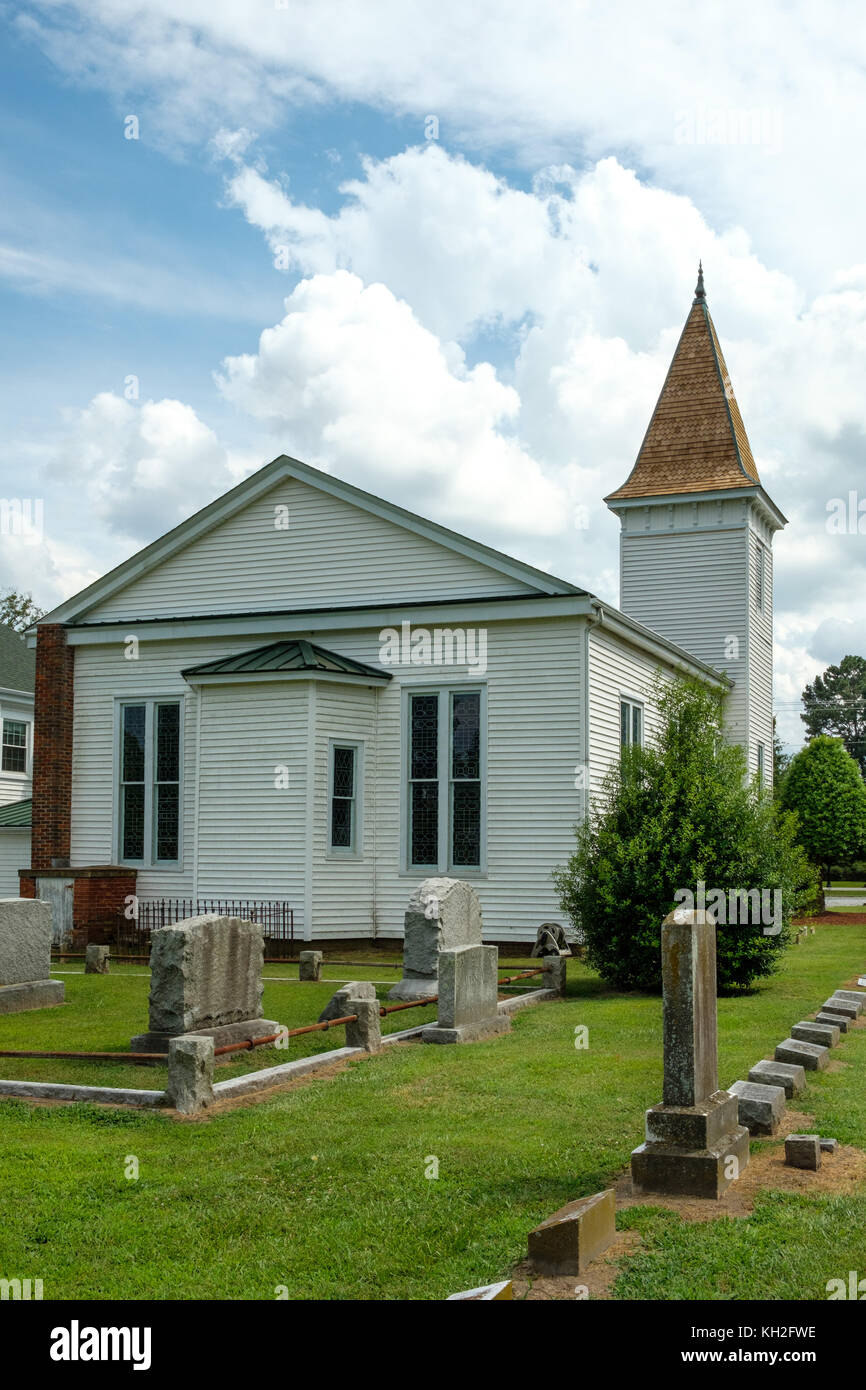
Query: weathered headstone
(96, 959)
(803, 1151)
(845, 1007)
(443, 913)
(575, 1235)
(760, 1107)
(836, 1020)
(468, 992)
(25, 957)
(206, 978)
(825, 1034)
(310, 966)
(366, 1028)
(487, 1293)
(190, 1073)
(550, 940)
(338, 1004)
(357, 997)
(791, 1077)
(694, 1144)
(810, 1056)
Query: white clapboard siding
(761, 657)
(332, 552)
(343, 888)
(14, 855)
(693, 589)
(617, 669)
(103, 675)
(252, 828)
(534, 699)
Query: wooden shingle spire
(696, 440)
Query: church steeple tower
(697, 530)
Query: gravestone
(575, 1235)
(803, 1151)
(96, 960)
(695, 1145)
(310, 966)
(206, 979)
(468, 995)
(443, 913)
(25, 957)
(338, 1004)
(550, 940)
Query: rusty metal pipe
(93, 1056)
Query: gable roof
(287, 657)
(17, 661)
(696, 440)
(262, 481)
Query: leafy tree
(671, 816)
(824, 788)
(835, 703)
(781, 762)
(19, 610)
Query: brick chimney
(52, 748)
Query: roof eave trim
(306, 674)
(749, 489)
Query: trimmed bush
(671, 816)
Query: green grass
(322, 1188)
(103, 1012)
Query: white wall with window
(16, 750)
(450, 771)
(344, 831)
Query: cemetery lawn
(322, 1188)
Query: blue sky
(475, 325)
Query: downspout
(590, 624)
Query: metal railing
(277, 919)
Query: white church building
(307, 695)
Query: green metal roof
(286, 656)
(17, 813)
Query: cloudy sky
(443, 250)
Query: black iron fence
(132, 934)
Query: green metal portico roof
(17, 813)
(296, 656)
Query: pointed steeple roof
(696, 440)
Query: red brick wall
(28, 885)
(52, 748)
(97, 901)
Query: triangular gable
(341, 546)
